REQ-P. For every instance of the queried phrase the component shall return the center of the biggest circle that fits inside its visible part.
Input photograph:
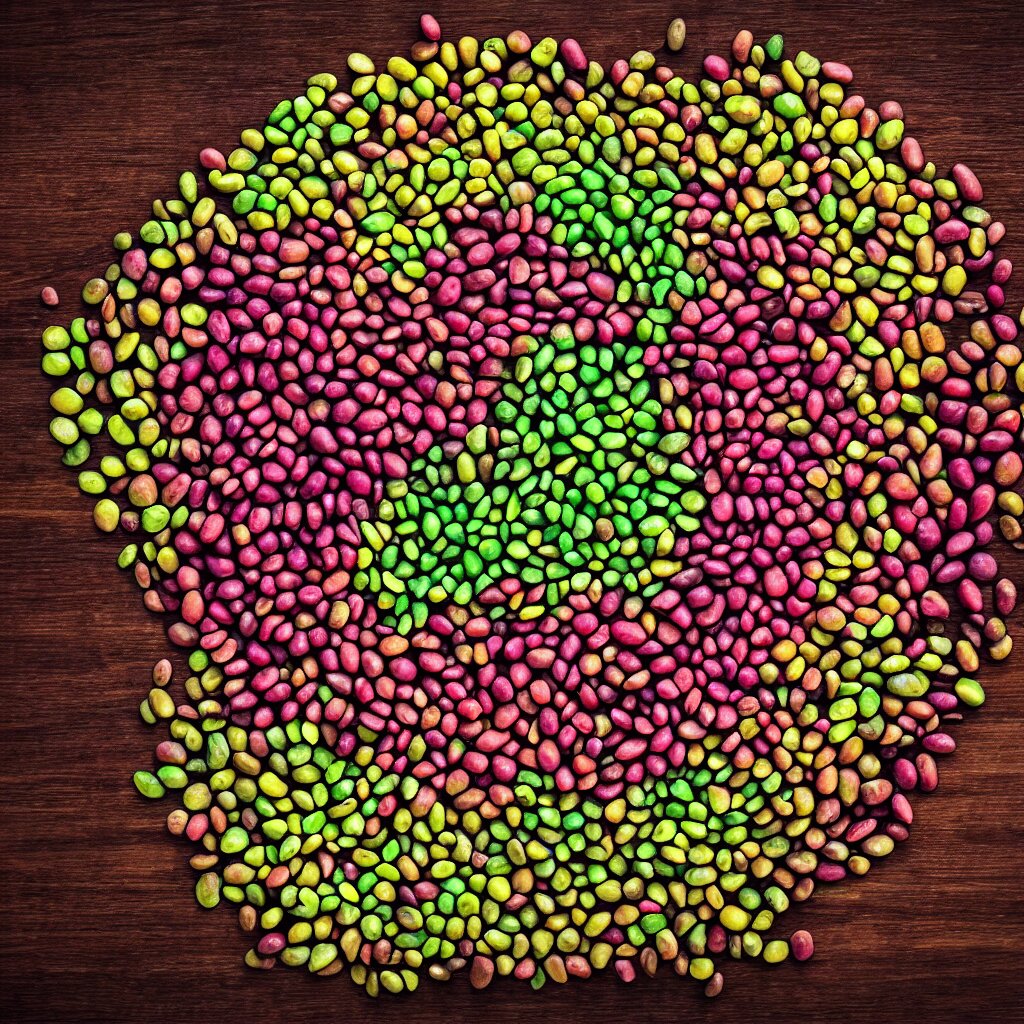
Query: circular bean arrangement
(572, 488)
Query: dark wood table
(103, 104)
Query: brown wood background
(102, 105)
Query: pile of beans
(572, 489)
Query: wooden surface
(103, 104)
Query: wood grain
(102, 105)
